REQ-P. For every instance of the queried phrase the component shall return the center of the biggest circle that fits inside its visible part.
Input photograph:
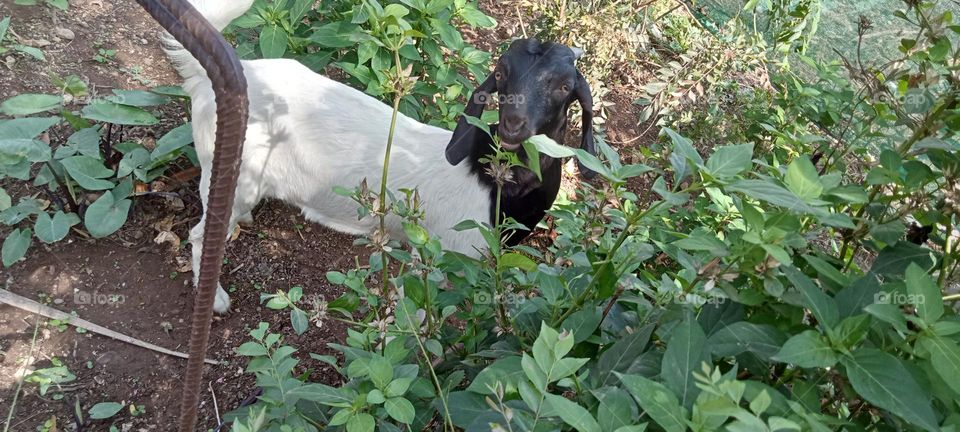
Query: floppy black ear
(464, 135)
(585, 97)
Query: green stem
(608, 261)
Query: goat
(307, 134)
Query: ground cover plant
(790, 262)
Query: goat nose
(512, 124)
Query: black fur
(537, 83)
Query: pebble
(65, 33)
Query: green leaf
(26, 128)
(137, 98)
(660, 404)
(273, 41)
(111, 112)
(30, 103)
(5, 201)
(774, 194)
(889, 313)
(802, 179)
(728, 161)
(88, 172)
(808, 349)
(106, 215)
(824, 308)
(572, 414)
(50, 230)
(828, 272)
(323, 394)
(299, 9)
(616, 409)
(703, 240)
(361, 422)
(742, 336)
(945, 357)
(506, 371)
(686, 351)
(15, 246)
(104, 410)
(582, 323)
(14, 150)
(549, 147)
(533, 158)
(251, 349)
(926, 293)
(883, 381)
(400, 409)
(299, 320)
(684, 147)
(622, 354)
(894, 260)
(515, 260)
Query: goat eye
(565, 88)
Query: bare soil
(132, 285)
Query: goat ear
(585, 97)
(465, 134)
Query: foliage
(767, 284)
(89, 178)
(354, 35)
(6, 43)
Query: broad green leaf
(323, 394)
(111, 112)
(506, 371)
(400, 409)
(945, 357)
(582, 323)
(14, 150)
(894, 260)
(30, 103)
(802, 179)
(361, 422)
(824, 308)
(883, 381)
(516, 260)
(5, 201)
(15, 246)
(888, 313)
(88, 172)
(299, 320)
(105, 410)
(686, 351)
(660, 404)
(616, 409)
(465, 406)
(137, 98)
(27, 127)
(273, 41)
(106, 215)
(50, 230)
(828, 272)
(702, 240)
(926, 293)
(739, 337)
(772, 193)
(175, 139)
(728, 161)
(808, 349)
(622, 354)
(572, 413)
(551, 148)
(684, 146)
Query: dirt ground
(134, 286)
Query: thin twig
(29, 305)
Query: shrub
(737, 293)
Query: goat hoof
(221, 304)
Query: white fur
(307, 133)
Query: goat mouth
(508, 146)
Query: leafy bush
(91, 177)
(768, 285)
(353, 35)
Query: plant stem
(16, 393)
(385, 272)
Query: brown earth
(134, 286)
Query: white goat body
(307, 134)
